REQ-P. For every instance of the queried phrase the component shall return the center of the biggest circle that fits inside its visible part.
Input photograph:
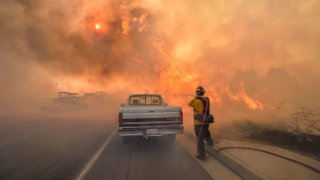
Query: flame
(177, 85)
(178, 72)
(242, 95)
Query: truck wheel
(125, 140)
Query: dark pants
(205, 135)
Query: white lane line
(95, 157)
(19, 138)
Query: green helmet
(200, 91)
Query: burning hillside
(249, 55)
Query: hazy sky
(250, 54)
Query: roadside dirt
(306, 144)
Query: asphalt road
(146, 159)
(57, 148)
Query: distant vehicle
(146, 115)
(68, 101)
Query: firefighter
(198, 103)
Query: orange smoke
(176, 66)
(133, 23)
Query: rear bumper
(161, 131)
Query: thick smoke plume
(250, 55)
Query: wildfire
(177, 85)
(242, 95)
(176, 68)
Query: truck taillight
(181, 117)
(120, 118)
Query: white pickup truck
(147, 115)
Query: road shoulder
(213, 167)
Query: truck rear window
(145, 100)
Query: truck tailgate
(150, 112)
(150, 121)
(150, 115)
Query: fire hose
(255, 149)
(271, 153)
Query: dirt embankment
(304, 143)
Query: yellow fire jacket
(198, 108)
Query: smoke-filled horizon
(250, 55)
